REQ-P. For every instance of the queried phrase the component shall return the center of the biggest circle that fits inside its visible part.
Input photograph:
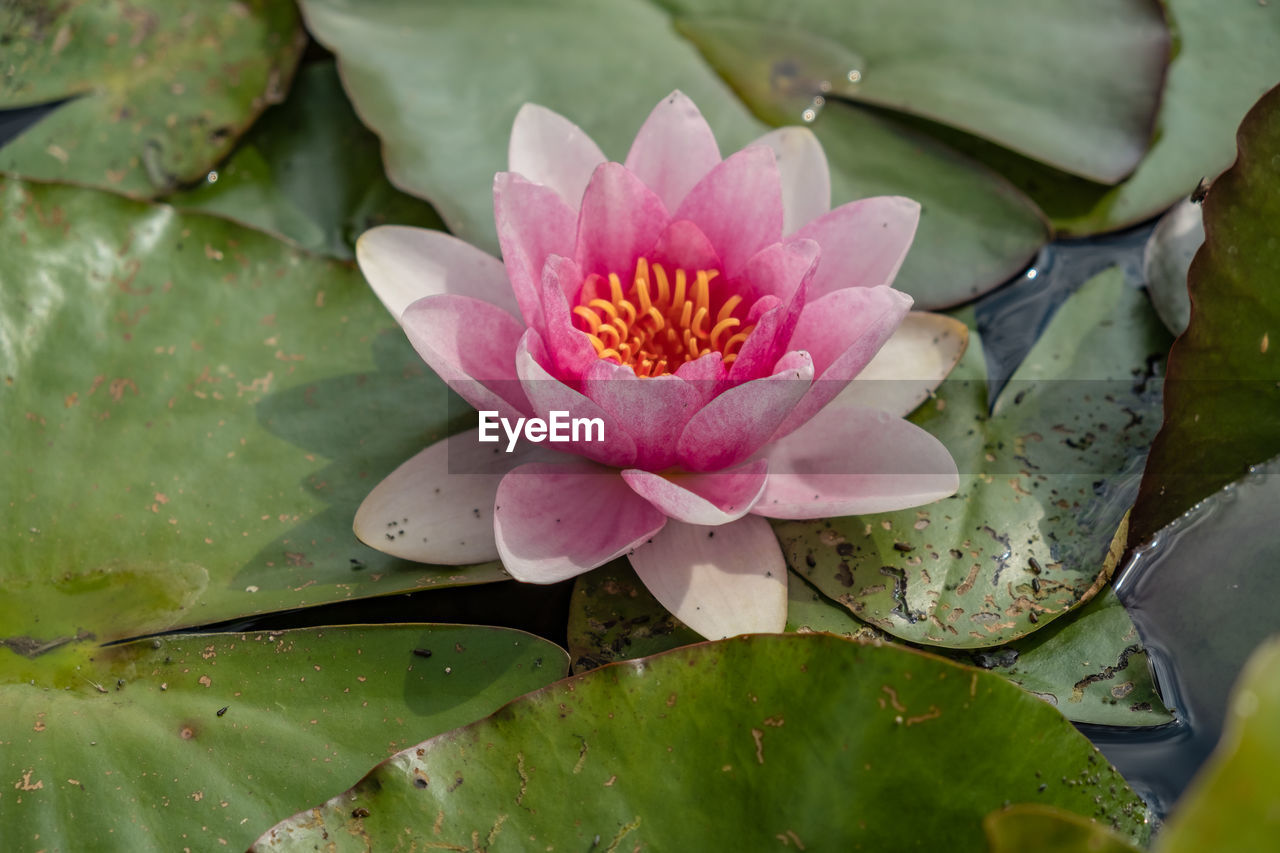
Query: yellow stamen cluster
(658, 324)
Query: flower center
(659, 324)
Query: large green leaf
(1222, 398)
(190, 413)
(161, 88)
(1227, 55)
(201, 741)
(1046, 478)
(1084, 100)
(310, 172)
(1089, 665)
(744, 744)
(445, 140)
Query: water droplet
(212, 177)
(854, 75)
(809, 115)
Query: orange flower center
(659, 323)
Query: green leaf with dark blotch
(160, 89)
(1234, 801)
(445, 142)
(1046, 479)
(1222, 397)
(1090, 664)
(1084, 100)
(202, 741)
(1047, 829)
(802, 740)
(310, 172)
(1226, 56)
(190, 413)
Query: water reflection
(1203, 595)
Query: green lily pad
(1234, 802)
(308, 171)
(202, 741)
(1090, 665)
(1227, 55)
(1084, 100)
(738, 724)
(161, 89)
(1046, 479)
(1047, 829)
(1222, 397)
(190, 413)
(975, 230)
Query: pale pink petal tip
(720, 581)
(674, 149)
(404, 264)
(806, 178)
(549, 149)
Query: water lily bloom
(708, 314)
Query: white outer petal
(806, 177)
(549, 149)
(442, 500)
(910, 365)
(720, 581)
(404, 264)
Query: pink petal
(549, 149)
(863, 243)
(674, 149)
(620, 220)
(847, 327)
(702, 498)
(404, 264)
(653, 411)
(682, 245)
(738, 205)
(720, 581)
(781, 270)
(533, 223)
(737, 423)
(705, 371)
(910, 365)
(548, 394)
(853, 461)
(842, 331)
(556, 521)
(570, 348)
(470, 345)
(438, 506)
(806, 179)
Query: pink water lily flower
(706, 313)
